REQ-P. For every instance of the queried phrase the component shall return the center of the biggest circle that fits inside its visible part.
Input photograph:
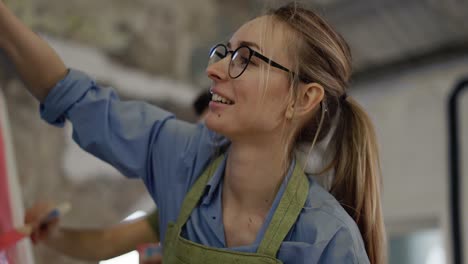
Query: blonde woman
(236, 190)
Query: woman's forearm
(99, 244)
(35, 61)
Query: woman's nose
(218, 71)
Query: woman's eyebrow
(247, 43)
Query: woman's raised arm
(35, 61)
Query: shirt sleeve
(121, 133)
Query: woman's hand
(36, 217)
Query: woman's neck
(253, 175)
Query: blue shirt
(146, 142)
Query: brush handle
(60, 210)
(25, 230)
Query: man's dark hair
(201, 102)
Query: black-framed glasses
(241, 58)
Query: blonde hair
(323, 56)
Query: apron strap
(196, 191)
(286, 214)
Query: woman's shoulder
(323, 219)
(204, 147)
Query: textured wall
(157, 36)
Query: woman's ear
(310, 96)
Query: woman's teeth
(220, 99)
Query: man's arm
(99, 244)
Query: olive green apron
(178, 250)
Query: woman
(242, 197)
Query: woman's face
(258, 98)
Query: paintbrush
(12, 237)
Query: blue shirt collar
(214, 182)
